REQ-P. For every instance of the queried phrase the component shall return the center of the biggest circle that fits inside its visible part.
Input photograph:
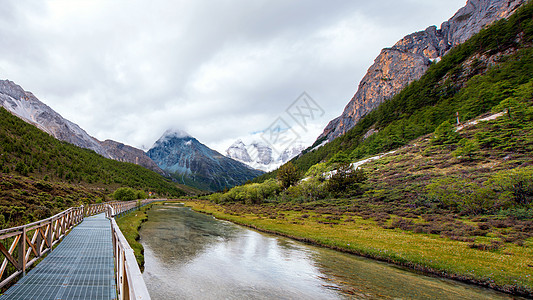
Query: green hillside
(42, 176)
(464, 81)
(452, 201)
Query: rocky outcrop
(125, 153)
(410, 58)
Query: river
(189, 255)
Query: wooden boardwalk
(81, 267)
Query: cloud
(220, 70)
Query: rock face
(191, 162)
(27, 107)
(410, 58)
(260, 156)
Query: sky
(221, 70)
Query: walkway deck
(81, 267)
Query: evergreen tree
(288, 175)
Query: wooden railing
(121, 207)
(130, 284)
(22, 246)
(94, 209)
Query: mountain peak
(176, 133)
(171, 134)
(195, 164)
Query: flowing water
(189, 255)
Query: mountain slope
(30, 109)
(125, 153)
(470, 79)
(411, 57)
(40, 175)
(195, 164)
(26, 106)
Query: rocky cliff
(410, 58)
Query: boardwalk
(81, 267)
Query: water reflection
(193, 256)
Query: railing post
(22, 252)
(50, 234)
(38, 240)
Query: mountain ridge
(29, 108)
(259, 155)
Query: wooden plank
(7, 254)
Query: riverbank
(506, 269)
(130, 224)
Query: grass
(507, 268)
(130, 224)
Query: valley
(428, 169)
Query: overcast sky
(128, 70)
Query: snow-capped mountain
(26, 106)
(259, 155)
(192, 163)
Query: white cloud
(129, 70)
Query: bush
(339, 158)
(445, 134)
(288, 175)
(346, 180)
(515, 185)
(249, 193)
(125, 194)
(518, 213)
(461, 195)
(467, 149)
(310, 189)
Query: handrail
(130, 284)
(22, 246)
(31, 241)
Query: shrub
(249, 193)
(339, 158)
(288, 175)
(125, 194)
(445, 134)
(515, 184)
(461, 195)
(467, 149)
(346, 181)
